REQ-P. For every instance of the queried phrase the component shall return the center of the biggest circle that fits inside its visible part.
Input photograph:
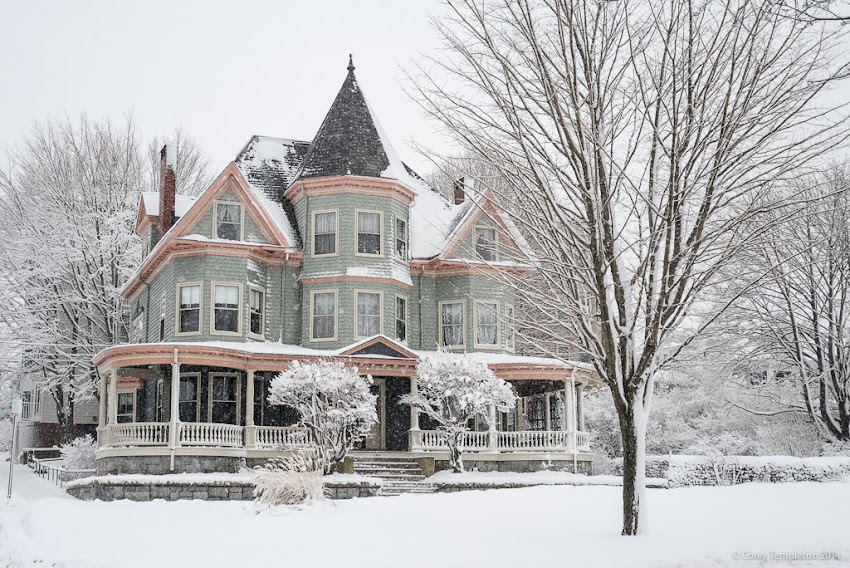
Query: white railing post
(415, 440)
(113, 396)
(174, 430)
(250, 428)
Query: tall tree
(639, 141)
(193, 169)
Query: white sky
(222, 70)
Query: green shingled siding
(250, 232)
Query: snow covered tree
(453, 389)
(333, 402)
(639, 142)
(193, 170)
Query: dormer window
(369, 232)
(228, 221)
(485, 243)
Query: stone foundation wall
(161, 465)
(142, 492)
(519, 466)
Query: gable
(205, 226)
(379, 345)
(485, 212)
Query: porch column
(580, 407)
(101, 413)
(413, 434)
(493, 434)
(112, 410)
(569, 408)
(173, 434)
(547, 412)
(250, 429)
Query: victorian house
(324, 249)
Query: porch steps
(399, 475)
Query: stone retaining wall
(161, 465)
(519, 466)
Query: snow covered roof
(269, 164)
(182, 203)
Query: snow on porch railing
(284, 438)
(139, 434)
(533, 440)
(206, 434)
(436, 440)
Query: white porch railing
(138, 434)
(522, 441)
(279, 437)
(206, 434)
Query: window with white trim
(323, 315)
(228, 221)
(324, 232)
(190, 308)
(126, 407)
(485, 243)
(226, 308)
(400, 318)
(189, 406)
(27, 406)
(451, 323)
(162, 318)
(256, 303)
(509, 328)
(486, 323)
(368, 314)
(401, 238)
(369, 232)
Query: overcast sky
(222, 70)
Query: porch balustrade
(138, 434)
(273, 437)
(523, 441)
(206, 434)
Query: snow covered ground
(538, 526)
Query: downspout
(421, 283)
(282, 288)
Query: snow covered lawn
(537, 526)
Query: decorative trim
(361, 279)
(358, 185)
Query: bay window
(225, 308)
(323, 316)
(369, 232)
(324, 232)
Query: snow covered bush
(333, 402)
(288, 480)
(5, 435)
(452, 390)
(79, 453)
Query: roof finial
(350, 64)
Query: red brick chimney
(167, 187)
(460, 194)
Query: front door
(376, 439)
(224, 398)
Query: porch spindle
(547, 412)
(250, 428)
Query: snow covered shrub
(5, 435)
(79, 453)
(452, 390)
(288, 480)
(788, 437)
(333, 402)
(723, 452)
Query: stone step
(378, 469)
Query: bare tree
(193, 170)
(639, 141)
(66, 247)
(800, 312)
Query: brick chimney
(167, 187)
(460, 194)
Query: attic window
(369, 232)
(228, 221)
(485, 243)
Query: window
(224, 398)
(485, 243)
(162, 318)
(536, 412)
(400, 318)
(126, 407)
(369, 232)
(486, 324)
(451, 323)
(256, 304)
(509, 329)
(226, 308)
(401, 238)
(368, 313)
(160, 393)
(189, 398)
(323, 316)
(585, 302)
(190, 308)
(27, 407)
(228, 221)
(324, 232)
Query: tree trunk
(633, 430)
(455, 442)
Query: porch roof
(378, 355)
